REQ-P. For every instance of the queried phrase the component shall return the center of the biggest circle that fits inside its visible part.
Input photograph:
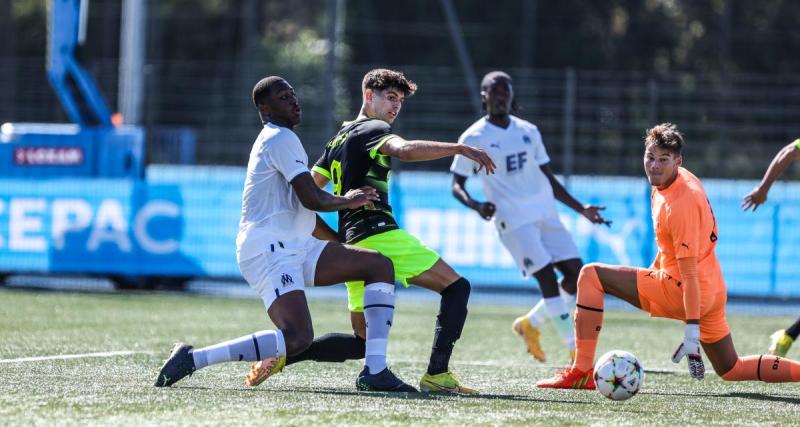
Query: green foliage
(305, 50)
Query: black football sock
(333, 347)
(449, 323)
(794, 330)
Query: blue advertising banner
(182, 221)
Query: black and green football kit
(352, 160)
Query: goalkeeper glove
(690, 347)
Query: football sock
(378, 313)
(588, 317)
(569, 299)
(333, 347)
(767, 368)
(794, 330)
(254, 347)
(537, 315)
(449, 324)
(562, 321)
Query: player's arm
(323, 231)
(691, 288)
(316, 199)
(459, 189)
(590, 212)
(319, 179)
(421, 150)
(690, 347)
(779, 163)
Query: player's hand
(592, 213)
(754, 199)
(363, 196)
(690, 347)
(478, 156)
(485, 210)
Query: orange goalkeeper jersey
(685, 227)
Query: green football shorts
(409, 256)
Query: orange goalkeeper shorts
(661, 295)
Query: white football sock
(254, 347)
(537, 315)
(378, 313)
(562, 321)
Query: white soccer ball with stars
(618, 375)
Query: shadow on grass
(741, 395)
(390, 395)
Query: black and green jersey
(352, 160)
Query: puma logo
(685, 245)
(300, 161)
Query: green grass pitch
(118, 389)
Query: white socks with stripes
(254, 347)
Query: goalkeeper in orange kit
(685, 281)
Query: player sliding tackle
(684, 283)
(278, 255)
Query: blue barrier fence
(183, 220)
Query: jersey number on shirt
(515, 162)
(336, 177)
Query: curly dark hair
(665, 136)
(381, 79)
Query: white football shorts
(284, 266)
(536, 244)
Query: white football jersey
(270, 207)
(519, 189)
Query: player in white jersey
(279, 252)
(521, 203)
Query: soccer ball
(618, 375)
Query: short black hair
(382, 79)
(491, 76)
(489, 79)
(665, 136)
(262, 89)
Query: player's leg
(289, 312)
(281, 290)
(718, 346)
(336, 346)
(570, 269)
(594, 281)
(766, 367)
(782, 339)
(558, 242)
(281, 287)
(525, 245)
(454, 291)
(344, 263)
